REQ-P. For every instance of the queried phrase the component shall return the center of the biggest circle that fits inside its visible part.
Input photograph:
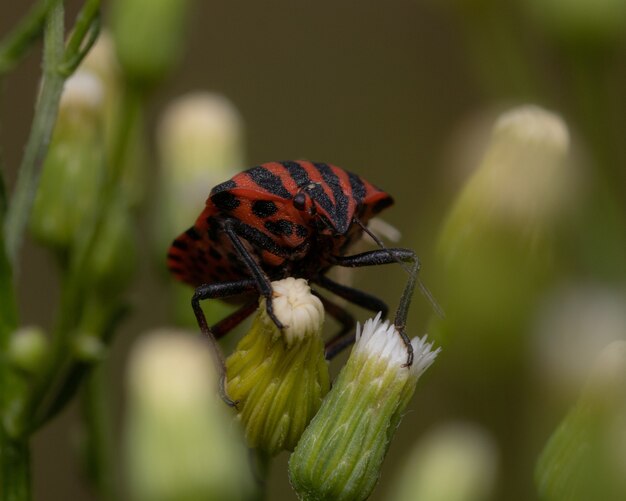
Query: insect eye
(299, 201)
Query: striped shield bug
(282, 219)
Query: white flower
(381, 340)
(300, 312)
(340, 453)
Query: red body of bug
(296, 215)
(285, 219)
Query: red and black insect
(285, 219)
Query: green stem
(39, 139)
(21, 38)
(84, 35)
(15, 473)
(99, 435)
(261, 474)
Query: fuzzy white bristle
(301, 313)
(382, 340)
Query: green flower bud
(200, 145)
(149, 36)
(28, 349)
(574, 325)
(585, 457)
(280, 378)
(71, 179)
(498, 238)
(102, 60)
(340, 453)
(457, 452)
(89, 348)
(200, 142)
(180, 441)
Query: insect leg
(346, 337)
(260, 278)
(214, 291)
(388, 256)
(227, 324)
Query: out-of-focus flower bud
(584, 458)
(200, 145)
(180, 441)
(102, 61)
(495, 249)
(28, 349)
(200, 138)
(88, 347)
(280, 378)
(572, 329)
(340, 453)
(72, 174)
(496, 257)
(454, 462)
(581, 22)
(149, 36)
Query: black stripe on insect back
(226, 201)
(341, 200)
(302, 179)
(358, 188)
(268, 181)
(298, 173)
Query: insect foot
(279, 377)
(340, 453)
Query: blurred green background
(404, 93)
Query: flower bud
(28, 349)
(280, 378)
(453, 451)
(584, 458)
(200, 145)
(74, 165)
(340, 453)
(497, 239)
(180, 441)
(149, 36)
(102, 61)
(573, 327)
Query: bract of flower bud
(149, 36)
(584, 457)
(280, 378)
(340, 453)
(457, 451)
(27, 349)
(69, 188)
(180, 441)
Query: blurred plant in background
(530, 267)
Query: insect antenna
(423, 289)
